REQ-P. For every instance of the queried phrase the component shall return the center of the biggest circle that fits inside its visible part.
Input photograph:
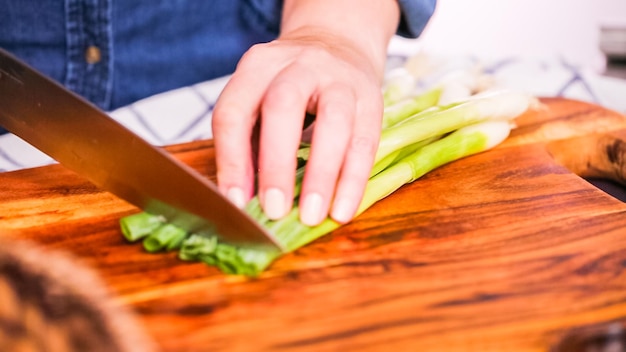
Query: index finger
(234, 117)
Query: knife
(87, 141)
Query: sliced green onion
(196, 247)
(137, 226)
(167, 236)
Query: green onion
(459, 144)
(500, 105)
(138, 226)
(399, 83)
(198, 247)
(418, 136)
(399, 154)
(167, 236)
(400, 110)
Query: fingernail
(236, 196)
(311, 212)
(342, 211)
(274, 203)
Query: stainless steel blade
(86, 140)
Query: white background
(569, 29)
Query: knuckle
(283, 93)
(252, 55)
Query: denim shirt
(114, 52)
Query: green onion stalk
(398, 84)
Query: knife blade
(87, 141)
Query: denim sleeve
(415, 16)
(266, 14)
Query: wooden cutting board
(503, 251)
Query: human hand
(308, 69)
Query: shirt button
(93, 55)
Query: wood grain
(503, 251)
